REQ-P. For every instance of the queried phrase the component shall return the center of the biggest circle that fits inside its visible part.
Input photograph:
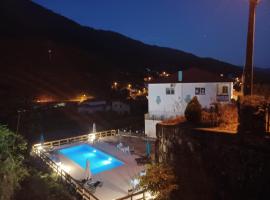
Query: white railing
(75, 184)
(40, 151)
(223, 98)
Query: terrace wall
(215, 165)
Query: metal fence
(40, 151)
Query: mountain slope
(25, 19)
(45, 52)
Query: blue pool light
(99, 161)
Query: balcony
(160, 116)
(223, 98)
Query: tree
(193, 112)
(12, 170)
(47, 187)
(160, 180)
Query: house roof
(193, 75)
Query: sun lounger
(125, 149)
(143, 160)
(143, 173)
(95, 184)
(130, 191)
(119, 146)
(92, 185)
(132, 150)
(84, 181)
(51, 149)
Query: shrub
(209, 118)
(193, 112)
(47, 186)
(160, 180)
(252, 114)
(12, 169)
(174, 121)
(228, 117)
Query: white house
(93, 105)
(169, 96)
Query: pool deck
(116, 182)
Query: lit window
(199, 91)
(225, 89)
(170, 91)
(202, 91)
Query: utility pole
(19, 112)
(248, 70)
(18, 121)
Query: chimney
(180, 76)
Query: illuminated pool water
(99, 161)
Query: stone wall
(214, 165)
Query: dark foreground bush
(44, 186)
(252, 115)
(193, 112)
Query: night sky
(207, 28)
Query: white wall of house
(150, 127)
(162, 104)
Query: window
(225, 89)
(199, 91)
(170, 91)
(202, 91)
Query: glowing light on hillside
(45, 99)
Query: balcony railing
(161, 116)
(223, 98)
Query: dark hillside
(42, 51)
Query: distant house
(120, 107)
(93, 106)
(169, 96)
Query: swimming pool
(99, 161)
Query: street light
(248, 70)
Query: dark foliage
(252, 112)
(213, 165)
(193, 112)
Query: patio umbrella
(148, 148)
(87, 170)
(42, 139)
(94, 128)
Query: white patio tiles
(116, 182)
